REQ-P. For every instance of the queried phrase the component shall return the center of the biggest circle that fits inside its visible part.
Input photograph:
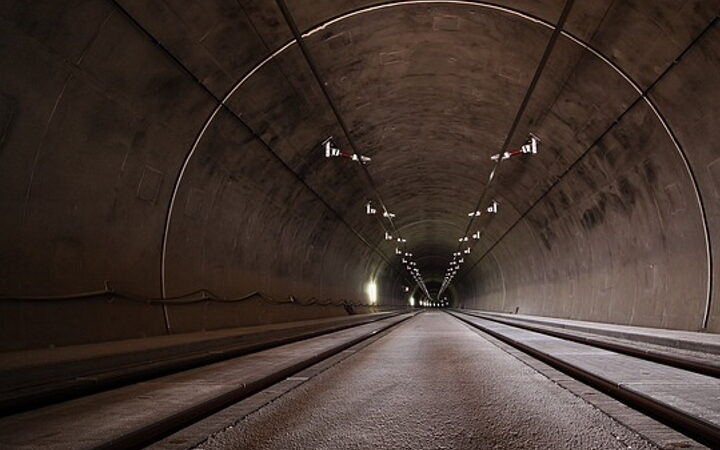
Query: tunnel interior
(164, 165)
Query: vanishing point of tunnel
(359, 224)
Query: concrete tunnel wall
(624, 227)
(119, 168)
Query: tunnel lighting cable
(531, 147)
(372, 211)
(197, 296)
(414, 273)
(346, 131)
(557, 32)
(222, 104)
(601, 57)
(644, 96)
(388, 236)
(479, 4)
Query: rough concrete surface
(111, 418)
(430, 384)
(119, 169)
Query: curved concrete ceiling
(167, 146)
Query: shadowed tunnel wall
(162, 147)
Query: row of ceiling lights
(435, 304)
(531, 145)
(329, 147)
(401, 251)
(332, 150)
(458, 257)
(530, 148)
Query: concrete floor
(430, 384)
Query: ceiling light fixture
(529, 148)
(332, 150)
(493, 208)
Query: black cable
(557, 32)
(198, 296)
(336, 111)
(248, 128)
(643, 96)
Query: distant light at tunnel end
(371, 291)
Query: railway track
(158, 411)
(686, 399)
(137, 415)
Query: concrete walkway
(432, 383)
(688, 340)
(688, 397)
(132, 415)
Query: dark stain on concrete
(590, 218)
(564, 199)
(595, 215)
(8, 107)
(627, 192)
(650, 172)
(545, 240)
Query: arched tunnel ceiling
(429, 90)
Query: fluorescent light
(371, 291)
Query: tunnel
(172, 169)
